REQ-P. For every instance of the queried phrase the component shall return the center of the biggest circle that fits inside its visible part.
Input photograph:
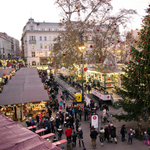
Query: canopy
(16, 137)
(24, 87)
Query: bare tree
(101, 29)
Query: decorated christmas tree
(135, 89)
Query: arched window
(45, 38)
(40, 38)
(41, 45)
(50, 46)
(33, 63)
(49, 38)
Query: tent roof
(15, 137)
(24, 87)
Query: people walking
(93, 136)
(106, 134)
(80, 137)
(123, 132)
(130, 136)
(74, 138)
(101, 135)
(59, 132)
(146, 138)
(113, 133)
(60, 103)
(68, 133)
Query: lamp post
(81, 48)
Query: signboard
(94, 121)
(87, 100)
(101, 96)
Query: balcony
(32, 41)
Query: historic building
(38, 39)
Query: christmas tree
(135, 89)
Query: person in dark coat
(106, 133)
(60, 132)
(80, 137)
(113, 133)
(74, 138)
(93, 136)
(57, 122)
(49, 111)
(52, 121)
(85, 113)
(47, 126)
(123, 132)
(77, 124)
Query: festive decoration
(85, 69)
(136, 80)
(64, 54)
(91, 46)
(99, 59)
(97, 29)
(52, 63)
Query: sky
(14, 14)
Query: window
(32, 38)
(45, 38)
(31, 27)
(54, 38)
(32, 46)
(33, 54)
(49, 38)
(50, 46)
(40, 38)
(41, 45)
(49, 29)
(45, 45)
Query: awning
(16, 137)
(24, 87)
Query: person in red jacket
(68, 133)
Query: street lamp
(81, 48)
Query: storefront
(106, 80)
(31, 109)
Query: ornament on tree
(144, 37)
(97, 29)
(112, 43)
(91, 46)
(110, 64)
(115, 24)
(64, 54)
(52, 63)
(85, 69)
(130, 50)
(99, 59)
(118, 41)
(138, 60)
(63, 19)
(143, 42)
(134, 67)
(136, 76)
(145, 67)
(144, 51)
(145, 76)
(122, 82)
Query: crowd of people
(68, 122)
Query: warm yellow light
(81, 48)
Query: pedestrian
(64, 103)
(107, 109)
(80, 113)
(80, 137)
(104, 116)
(68, 133)
(113, 133)
(60, 132)
(47, 126)
(101, 135)
(100, 104)
(123, 132)
(89, 89)
(49, 111)
(106, 133)
(60, 103)
(93, 136)
(52, 121)
(85, 113)
(146, 138)
(76, 111)
(77, 124)
(74, 138)
(130, 136)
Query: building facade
(38, 39)
(9, 47)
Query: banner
(94, 121)
(101, 96)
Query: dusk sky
(14, 14)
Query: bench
(31, 127)
(60, 142)
(47, 135)
(40, 130)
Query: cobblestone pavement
(136, 145)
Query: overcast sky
(14, 14)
